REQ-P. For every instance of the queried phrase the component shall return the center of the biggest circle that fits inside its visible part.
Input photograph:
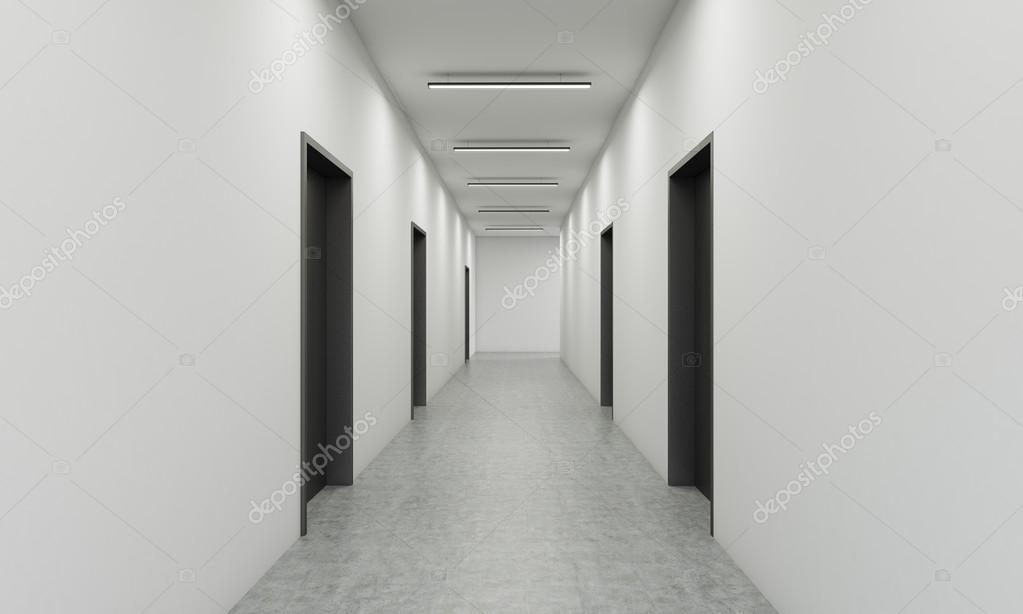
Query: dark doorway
(327, 322)
(466, 314)
(606, 319)
(418, 318)
(690, 323)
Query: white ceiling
(417, 41)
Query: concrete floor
(511, 492)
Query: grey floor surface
(511, 492)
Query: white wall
(919, 245)
(119, 465)
(519, 295)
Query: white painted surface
(164, 459)
(919, 246)
(519, 295)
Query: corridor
(511, 492)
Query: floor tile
(512, 491)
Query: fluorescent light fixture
(513, 228)
(508, 184)
(513, 210)
(509, 85)
(513, 149)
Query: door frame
(417, 230)
(607, 318)
(704, 358)
(308, 143)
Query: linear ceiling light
(509, 85)
(513, 228)
(513, 149)
(513, 210)
(507, 184)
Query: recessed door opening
(327, 322)
(466, 314)
(606, 319)
(690, 323)
(418, 318)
